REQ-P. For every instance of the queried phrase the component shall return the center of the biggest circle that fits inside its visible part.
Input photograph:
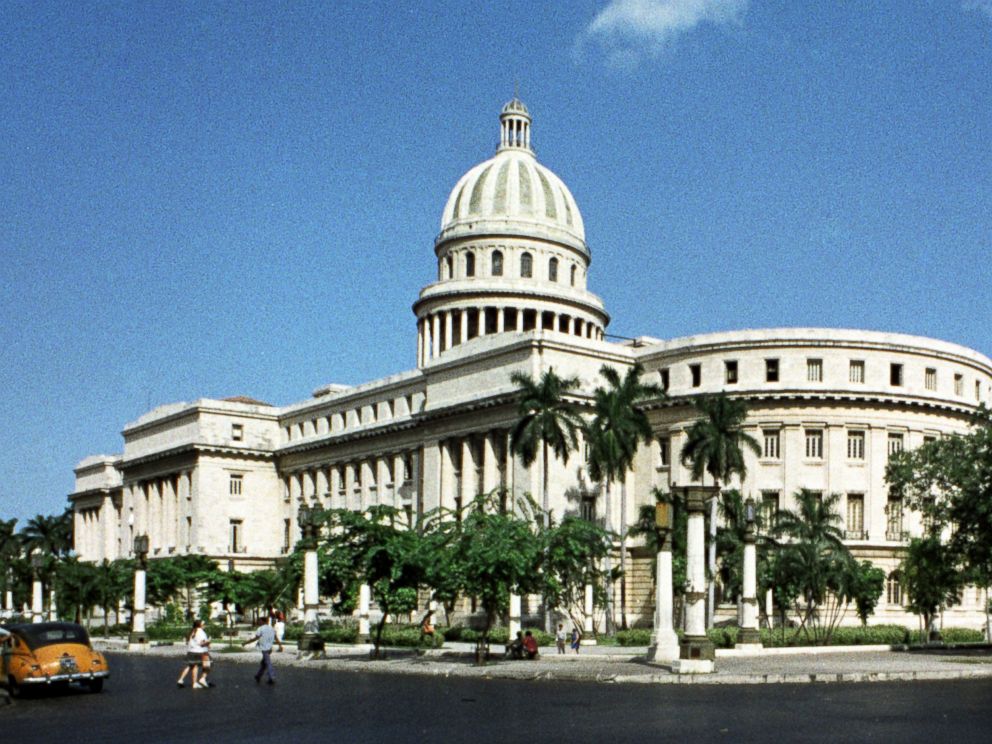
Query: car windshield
(37, 635)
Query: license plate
(68, 665)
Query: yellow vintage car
(44, 654)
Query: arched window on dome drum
(469, 264)
(497, 263)
(572, 278)
(553, 270)
(526, 265)
(449, 265)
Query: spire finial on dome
(514, 125)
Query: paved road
(141, 705)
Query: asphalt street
(141, 705)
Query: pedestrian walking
(279, 625)
(576, 639)
(197, 644)
(266, 638)
(560, 638)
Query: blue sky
(214, 199)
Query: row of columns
(355, 485)
(160, 510)
(442, 330)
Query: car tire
(95, 685)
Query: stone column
(138, 639)
(587, 617)
(696, 653)
(749, 637)
(520, 320)
(448, 329)
(311, 630)
(435, 335)
(500, 319)
(420, 343)
(364, 602)
(514, 623)
(53, 613)
(36, 600)
(664, 641)
(463, 325)
(490, 467)
(469, 486)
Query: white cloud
(983, 5)
(631, 29)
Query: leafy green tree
(114, 580)
(48, 534)
(575, 550)
(496, 552)
(730, 540)
(77, 586)
(866, 588)
(931, 578)
(949, 481)
(617, 427)
(10, 550)
(715, 444)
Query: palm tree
(715, 444)
(617, 427)
(546, 419)
(48, 534)
(815, 561)
(10, 549)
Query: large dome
(512, 193)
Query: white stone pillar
(463, 323)
(420, 343)
(469, 486)
(664, 641)
(749, 637)
(696, 653)
(36, 601)
(500, 319)
(448, 329)
(587, 616)
(520, 320)
(490, 467)
(364, 602)
(435, 335)
(514, 620)
(310, 593)
(138, 615)
(322, 486)
(53, 613)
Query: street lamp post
(696, 652)
(139, 638)
(8, 600)
(37, 563)
(664, 641)
(311, 641)
(749, 637)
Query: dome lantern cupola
(514, 127)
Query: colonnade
(161, 511)
(473, 464)
(438, 332)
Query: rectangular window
(286, 535)
(814, 444)
(929, 439)
(895, 374)
(664, 452)
(855, 445)
(893, 519)
(237, 432)
(959, 384)
(895, 443)
(930, 379)
(235, 484)
(856, 372)
(731, 371)
(696, 372)
(814, 370)
(237, 537)
(587, 509)
(664, 379)
(770, 450)
(769, 510)
(771, 370)
(855, 516)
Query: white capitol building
(224, 478)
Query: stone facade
(224, 478)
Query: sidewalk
(611, 664)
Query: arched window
(448, 263)
(553, 270)
(527, 265)
(893, 588)
(572, 278)
(497, 263)
(470, 264)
